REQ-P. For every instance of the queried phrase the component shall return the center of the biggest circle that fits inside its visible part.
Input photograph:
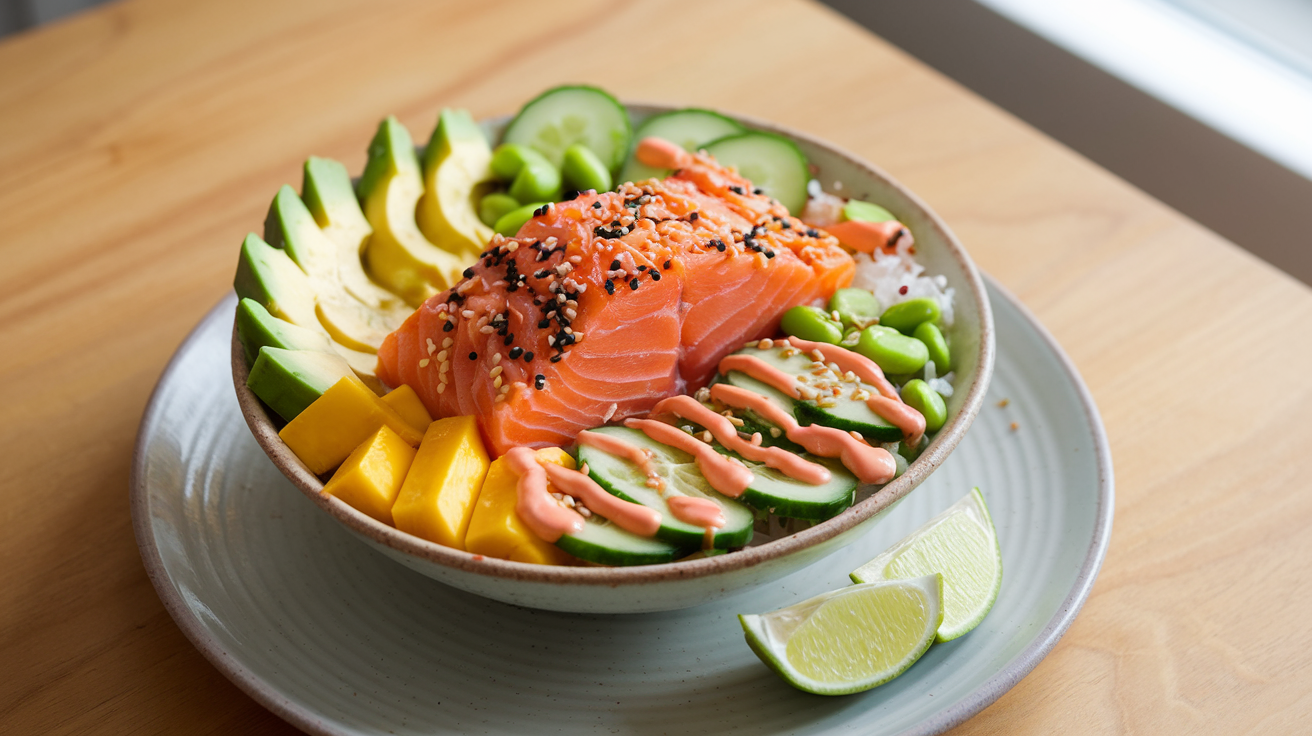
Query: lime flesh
(851, 639)
(961, 545)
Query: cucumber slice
(773, 163)
(691, 129)
(846, 414)
(606, 544)
(626, 480)
(563, 116)
(775, 492)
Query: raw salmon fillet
(604, 305)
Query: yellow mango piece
(439, 493)
(407, 404)
(495, 530)
(337, 422)
(372, 476)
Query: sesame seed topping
(610, 412)
(448, 326)
(442, 356)
(423, 363)
(508, 339)
(610, 286)
(441, 387)
(633, 284)
(495, 372)
(473, 356)
(467, 314)
(515, 352)
(775, 432)
(487, 329)
(556, 358)
(539, 381)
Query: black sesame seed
(544, 324)
(556, 358)
(786, 225)
(515, 352)
(509, 339)
(541, 274)
(812, 232)
(668, 265)
(528, 357)
(610, 286)
(571, 194)
(769, 254)
(540, 211)
(448, 326)
(758, 190)
(736, 190)
(615, 265)
(469, 273)
(641, 269)
(719, 245)
(614, 223)
(539, 381)
(473, 356)
(633, 284)
(655, 275)
(692, 217)
(596, 205)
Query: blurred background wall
(1064, 73)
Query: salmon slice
(604, 305)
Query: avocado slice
(398, 255)
(268, 276)
(290, 380)
(349, 321)
(256, 328)
(457, 174)
(329, 196)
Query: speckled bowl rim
(944, 442)
(993, 688)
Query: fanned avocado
(349, 321)
(457, 173)
(268, 276)
(290, 380)
(398, 255)
(330, 198)
(256, 328)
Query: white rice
(886, 273)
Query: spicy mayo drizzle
(615, 446)
(725, 474)
(633, 517)
(792, 465)
(869, 464)
(534, 505)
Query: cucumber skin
(808, 413)
(622, 150)
(601, 555)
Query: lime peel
(961, 544)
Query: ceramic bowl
(692, 582)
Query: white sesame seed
(858, 436)
(817, 355)
(505, 388)
(610, 412)
(487, 329)
(442, 356)
(551, 340)
(569, 330)
(576, 259)
(735, 421)
(578, 337)
(448, 343)
(467, 314)
(571, 313)
(514, 246)
(706, 437)
(495, 373)
(775, 432)
(563, 269)
(441, 387)
(551, 241)
(496, 358)
(582, 289)
(583, 511)
(499, 398)
(496, 382)
(423, 363)
(444, 367)
(466, 286)
(765, 344)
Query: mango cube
(372, 476)
(439, 493)
(495, 530)
(329, 429)
(407, 404)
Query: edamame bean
(510, 158)
(855, 209)
(512, 221)
(854, 306)
(493, 206)
(932, 336)
(811, 323)
(904, 316)
(892, 351)
(536, 182)
(919, 396)
(582, 170)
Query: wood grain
(140, 142)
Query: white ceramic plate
(338, 639)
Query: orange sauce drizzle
(618, 447)
(633, 517)
(534, 505)
(725, 474)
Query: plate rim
(985, 694)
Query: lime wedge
(851, 639)
(960, 544)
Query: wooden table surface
(139, 142)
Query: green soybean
(855, 209)
(510, 158)
(919, 396)
(894, 352)
(811, 323)
(582, 170)
(493, 206)
(512, 221)
(536, 183)
(854, 306)
(932, 336)
(905, 316)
